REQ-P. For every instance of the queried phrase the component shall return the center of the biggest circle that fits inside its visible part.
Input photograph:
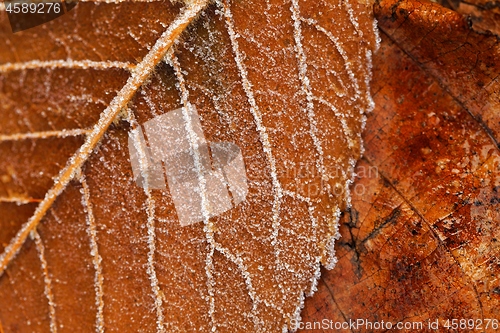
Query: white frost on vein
(306, 87)
(43, 135)
(263, 135)
(341, 117)
(343, 54)
(47, 280)
(209, 227)
(72, 64)
(205, 205)
(150, 210)
(235, 258)
(352, 17)
(94, 252)
(254, 109)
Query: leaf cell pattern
(286, 81)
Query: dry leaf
(420, 243)
(286, 81)
(483, 14)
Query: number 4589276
(33, 8)
(471, 324)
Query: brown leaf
(483, 14)
(420, 242)
(287, 82)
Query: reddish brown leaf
(483, 14)
(421, 240)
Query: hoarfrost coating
(274, 89)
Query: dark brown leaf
(421, 240)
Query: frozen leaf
(285, 83)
